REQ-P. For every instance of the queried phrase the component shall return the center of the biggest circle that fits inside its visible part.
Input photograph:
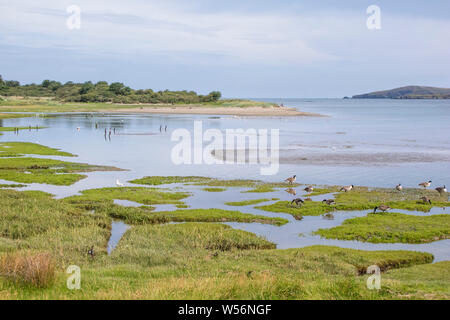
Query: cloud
(152, 28)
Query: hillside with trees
(409, 92)
(101, 91)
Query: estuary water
(377, 143)
(360, 142)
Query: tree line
(101, 91)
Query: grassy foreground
(192, 260)
(210, 261)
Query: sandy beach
(235, 111)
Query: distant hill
(409, 92)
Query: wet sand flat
(342, 158)
(361, 158)
(235, 111)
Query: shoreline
(233, 111)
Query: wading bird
(425, 184)
(309, 189)
(383, 208)
(118, 183)
(441, 190)
(347, 188)
(425, 200)
(291, 180)
(329, 201)
(91, 252)
(298, 202)
(399, 187)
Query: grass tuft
(36, 270)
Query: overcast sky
(260, 48)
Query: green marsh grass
(102, 200)
(12, 185)
(361, 198)
(50, 105)
(143, 195)
(47, 171)
(391, 228)
(32, 148)
(214, 189)
(13, 115)
(427, 281)
(158, 180)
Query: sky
(243, 48)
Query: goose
(425, 184)
(292, 179)
(329, 201)
(118, 183)
(399, 187)
(383, 208)
(441, 190)
(425, 200)
(328, 216)
(291, 191)
(298, 202)
(347, 188)
(309, 189)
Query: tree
(55, 85)
(116, 87)
(12, 83)
(45, 83)
(215, 95)
(86, 87)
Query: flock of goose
(383, 207)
